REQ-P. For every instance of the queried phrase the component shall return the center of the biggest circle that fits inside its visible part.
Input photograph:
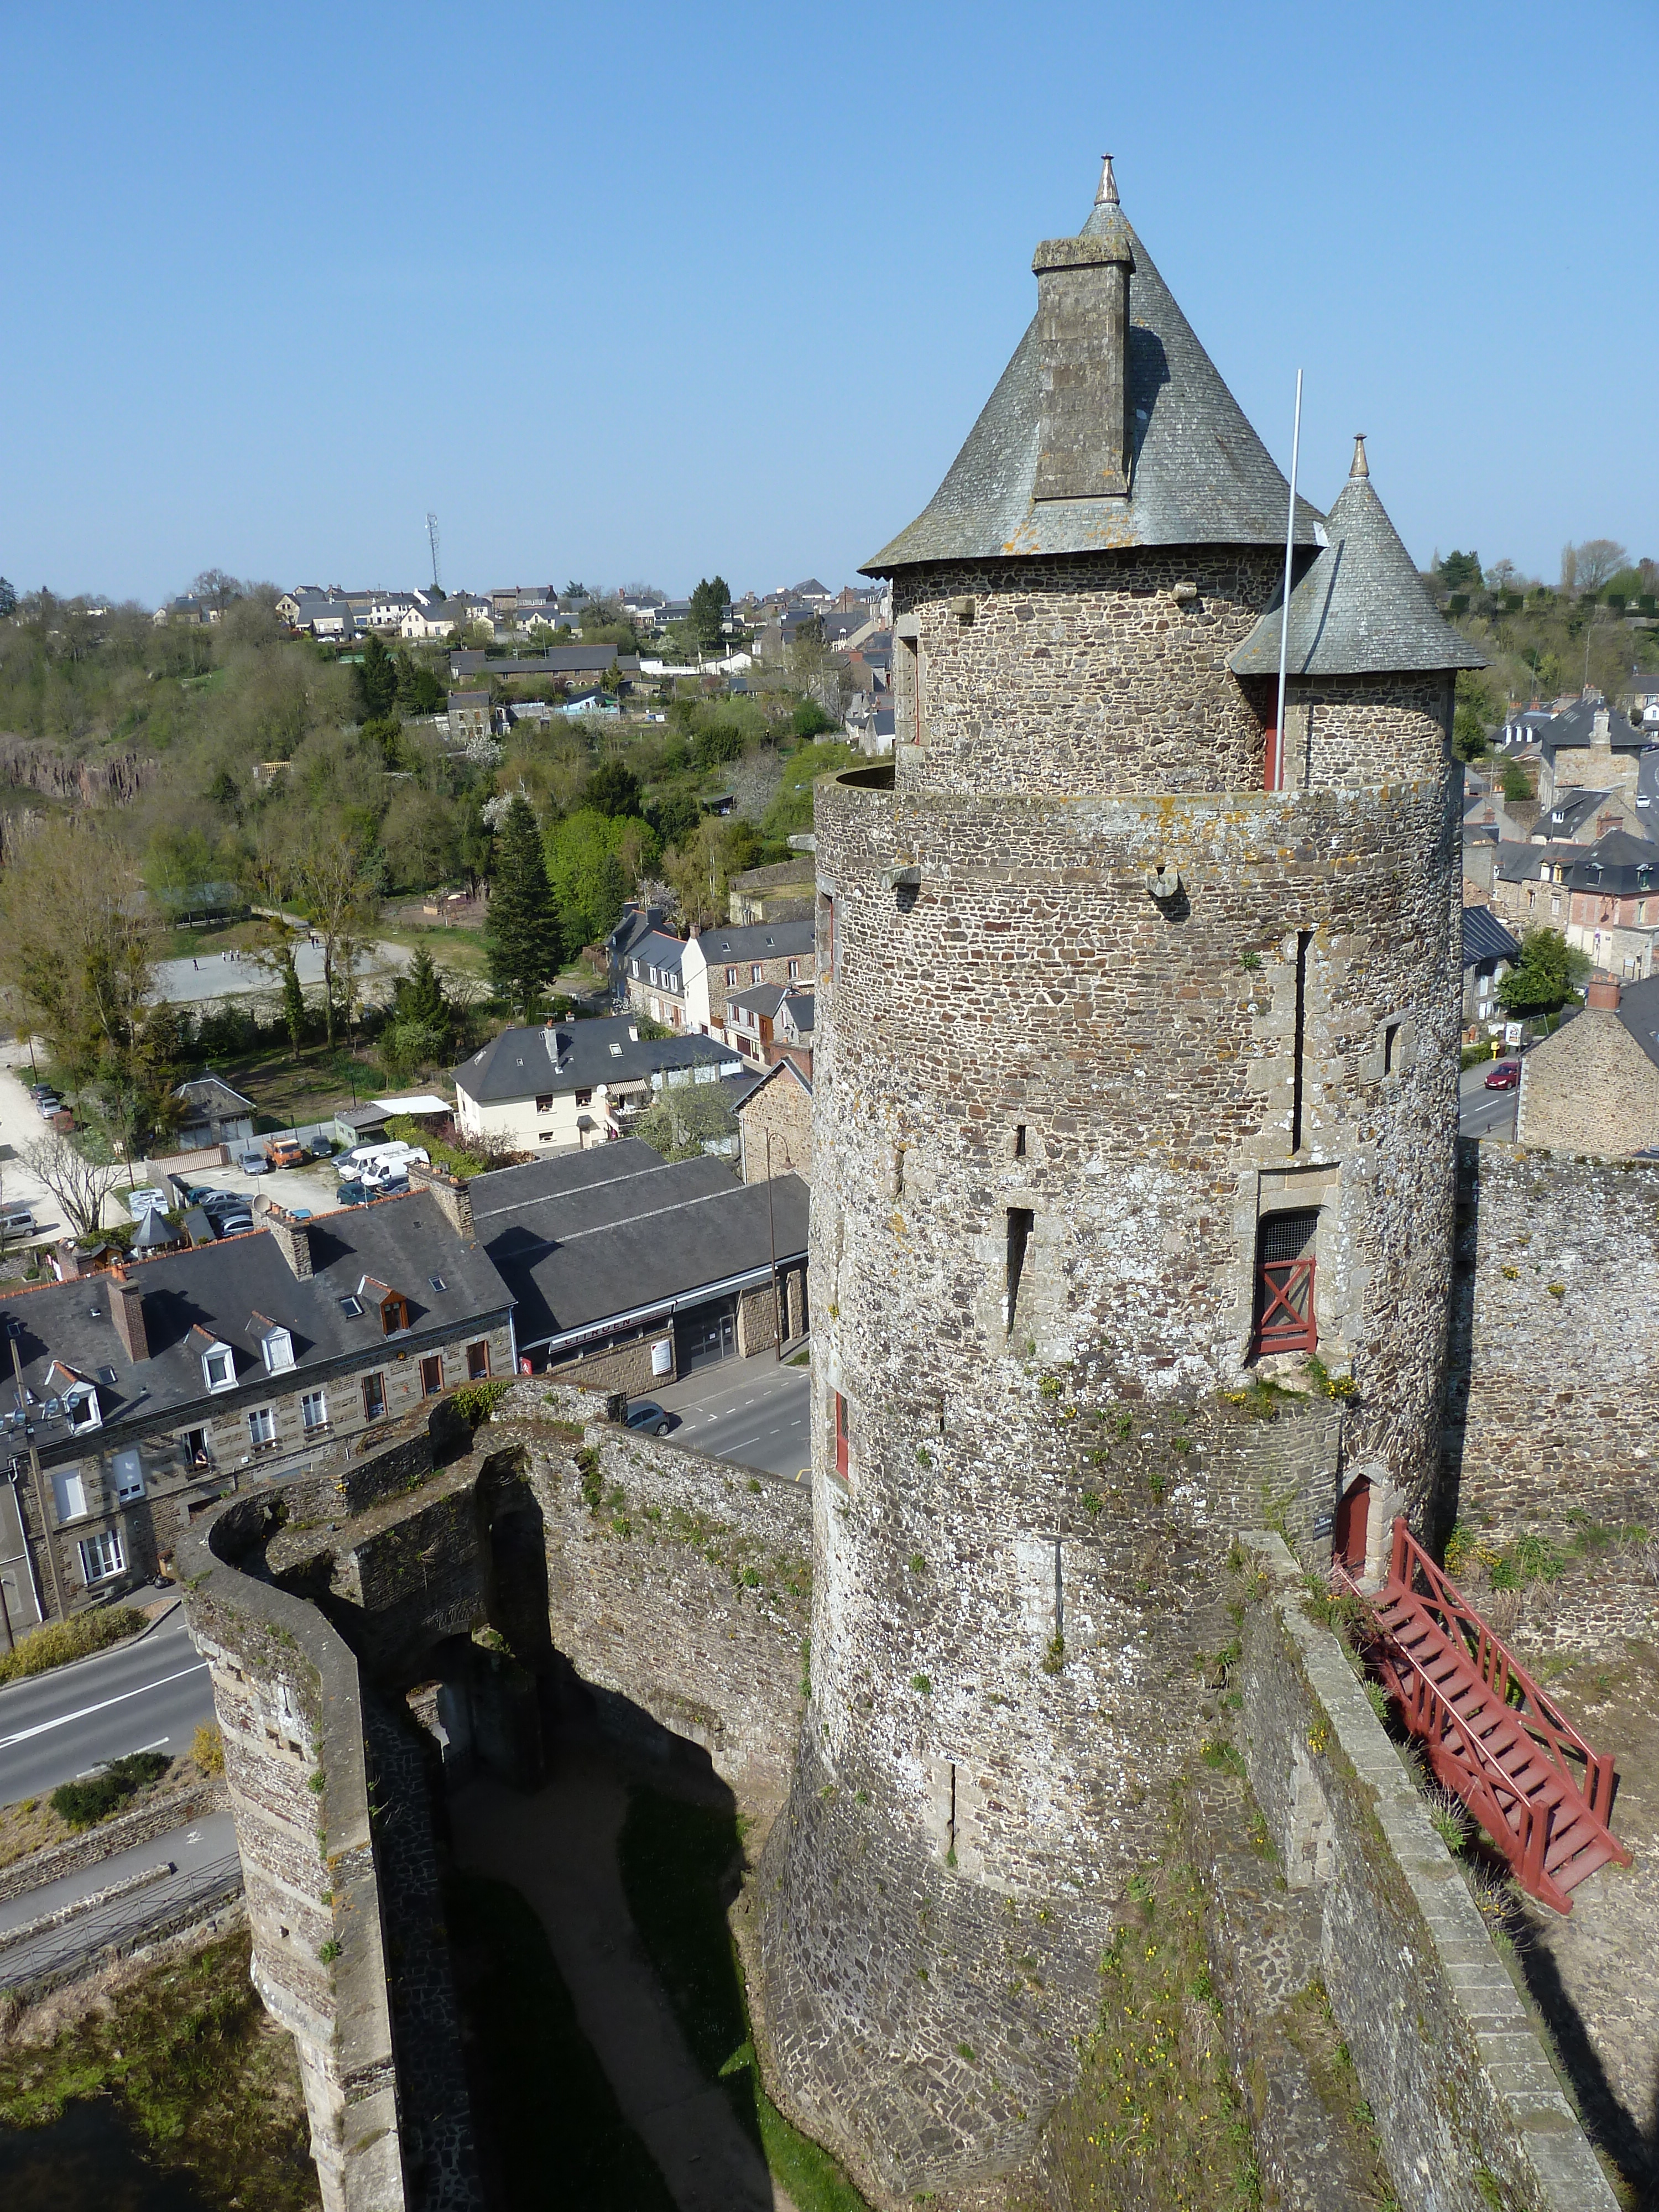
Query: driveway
(21, 1126)
(753, 1412)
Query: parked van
(16, 1221)
(381, 1175)
(350, 1166)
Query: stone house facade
(717, 964)
(1192, 1113)
(156, 1390)
(1594, 1086)
(776, 1123)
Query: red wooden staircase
(1492, 1737)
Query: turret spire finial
(1361, 466)
(1107, 196)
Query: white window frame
(69, 1496)
(216, 1354)
(318, 1400)
(83, 1396)
(261, 1427)
(129, 1479)
(102, 1556)
(277, 1350)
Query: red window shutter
(842, 1456)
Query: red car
(1505, 1076)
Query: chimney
(126, 1311)
(1086, 448)
(453, 1194)
(1602, 727)
(1604, 994)
(292, 1238)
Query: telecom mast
(432, 540)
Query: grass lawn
(289, 1089)
(209, 2084)
(459, 949)
(546, 2118)
(676, 1862)
(199, 944)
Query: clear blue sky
(644, 292)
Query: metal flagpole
(1285, 610)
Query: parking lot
(753, 1412)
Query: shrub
(476, 1402)
(64, 1640)
(82, 1804)
(207, 1748)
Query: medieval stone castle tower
(1127, 1011)
(1134, 1107)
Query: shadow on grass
(549, 2130)
(680, 1866)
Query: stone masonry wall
(1590, 1087)
(677, 1583)
(288, 1703)
(1173, 1010)
(1554, 1400)
(1082, 675)
(1466, 2102)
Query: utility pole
(48, 1532)
(772, 1240)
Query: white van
(381, 1172)
(351, 1166)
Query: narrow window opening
(1284, 1283)
(843, 1456)
(1020, 1222)
(910, 665)
(1019, 1141)
(1059, 1599)
(1303, 938)
(950, 1822)
(1390, 1038)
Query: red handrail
(1499, 1669)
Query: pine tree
(521, 936)
(421, 994)
(294, 1002)
(377, 680)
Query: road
(200, 1844)
(751, 1411)
(1483, 1113)
(150, 1694)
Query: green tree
(420, 995)
(377, 680)
(685, 1118)
(612, 789)
(708, 604)
(1513, 782)
(521, 935)
(1546, 975)
(591, 860)
(419, 691)
(1460, 572)
(1475, 709)
(809, 719)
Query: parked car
(351, 1191)
(322, 1148)
(231, 1225)
(285, 1152)
(1505, 1076)
(16, 1221)
(253, 1164)
(655, 1420)
(49, 1103)
(146, 1199)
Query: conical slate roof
(1361, 609)
(1201, 476)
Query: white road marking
(44, 1727)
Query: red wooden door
(1353, 1525)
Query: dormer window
(81, 1404)
(219, 1368)
(392, 1305)
(275, 1342)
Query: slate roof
(1576, 726)
(784, 1070)
(1361, 609)
(1201, 475)
(575, 1056)
(214, 1293)
(618, 1230)
(656, 949)
(1484, 937)
(1617, 863)
(1571, 810)
(558, 660)
(212, 1094)
(1518, 864)
(764, 1000)
(759, 940)
(802, 1011)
